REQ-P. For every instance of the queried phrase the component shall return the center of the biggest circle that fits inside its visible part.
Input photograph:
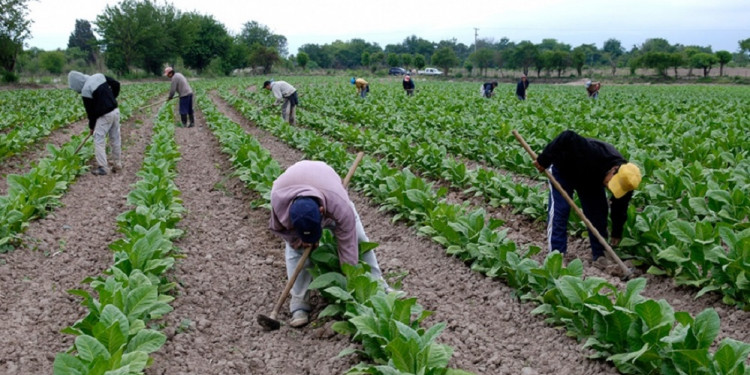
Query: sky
(718, 23)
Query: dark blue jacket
(521, 88)
(584, 163)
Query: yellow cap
(627, 178)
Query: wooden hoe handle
(578, 211)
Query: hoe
(627, 272)
(269, 322)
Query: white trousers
(300, 296)
(107, 125)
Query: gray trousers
(288, 111)
(300, 296)
(107, 125)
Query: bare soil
(234, 270)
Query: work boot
(117, 167)
(99, 171)
(183, 120)
(192, 121)
(299, 318)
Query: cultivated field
(170, 261)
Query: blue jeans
(595, 207)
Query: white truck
(430, 72)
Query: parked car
(395, 71)
(431, 72)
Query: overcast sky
(718, 23)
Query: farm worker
(181, 86)
(593, 89)
(362, 86)
(306, 198)
(488, 89)
(99, 93)
(521, 87)
(587, 165)
(287, 95)
(408, 85)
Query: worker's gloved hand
(538, 166)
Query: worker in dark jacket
(586, 166)
(99, 93)
(521, 87)
(488, 89)
(408, 85)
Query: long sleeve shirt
(521, 88)
(281, 90)
(318, 180)
(585, 162)
(180, 86)
(99, 95)
(361, 84)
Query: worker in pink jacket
(306, 198)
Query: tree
(445, 58)
(523, 56)
(483, 58)
(419, 61)
(14, 30)
(704, 61)
(52, 61)
(140, 34)
(543, 62)
(407, 60)
(261, 55)
(83, 38)
(393, 59)
(578, 59)
(302, 59)
(210, 40)
(676, 60)
(365, 59)
(560, 60)
(659, 61)
(723, 57)
(656, 45)
(744, 45)
(613, 50)
(254, 32)
(468, 66)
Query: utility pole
(475, 39)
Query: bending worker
(362, 86)
(285, 94)
(592, 88)
(99, 94)
(586, 166)
(306, 198)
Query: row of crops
(33, 194)
(704, 243)
(590, 308)
(690, 216)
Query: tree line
(142, 36)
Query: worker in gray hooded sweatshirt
(99, 93)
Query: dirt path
(490, 332)
(22, 162)
(233, 271)
(58, 253)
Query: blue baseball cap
(306, 219)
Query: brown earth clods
(234, 270)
